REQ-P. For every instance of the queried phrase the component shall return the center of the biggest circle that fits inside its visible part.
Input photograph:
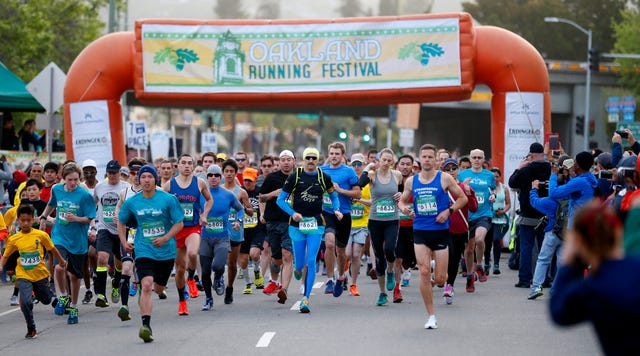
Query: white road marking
(296, 306)
(265, 339)
(9, 311)
(318, 285)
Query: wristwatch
(42, 217)
(451, 211)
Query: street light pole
(587, 95)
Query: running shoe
(432, 323)
(123, 313)
(101, 301)
(193, 289)
(487, 268)
(185, 293)
(258, 280)
(270, 288)
(382, 299)
(482, 277)
(391, 281)
(339, 287)
(163, 295)
(88, 295)
(115, 295)
(470, 284)
(145, 334)
(13, 300)
(354, 290)
(61, 305)
(199, 286)
(496, 269)
(73, 315)
(372, 272)
(228, 295)
(282, 296)
(448, 294)
(397, 295)
(182, 308)
(248, 289)
(329, 288)
(304, 306)
(31, 334)
(133, 289)
(218, 285)
(535, 293)
(208, 304)
(406, 276)
(297, 274)
(345, 284)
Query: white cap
(89, 163)
(287, 153)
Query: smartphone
(554, 142)
(622, 133)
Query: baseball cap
(605, 160)
(113, 166)
(536, 147)
(214, 169)
(89, 163)
(357, 157)
(311, 151)
(125, 171)
(450, 161)
(287, 153)
(250, 174)
(221, 156)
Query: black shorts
(252, 238)
(278, 238)
(404, 246)
(235, 243)
(434, 239)
(75, 263)
(12, 261)
(479, 222)
(159, 270)
(341, 228)
(109, 243)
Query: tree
(36, 32)
(627, 35)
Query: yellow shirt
(10, 216)
(3, 229)
(359, 211)
(31, 246)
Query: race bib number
(29, 260)
(108, 213)
(357, 211)
(188, 211)
(480, 198)
(326, 201)
(250, 221)
(233, 215)
(152, 230)
(427, 205)
(215, 225)
(386, 207)
(308, 225)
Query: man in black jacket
(533, 167)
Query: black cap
(536, 147)
(113, 166)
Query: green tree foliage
(627, 35)
(36, 32)
(553, 40)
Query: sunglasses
(311, 158)
(477, 157)
(450, 169)
(267, 166)
(217, 175)
(241, 159)
(356, 164)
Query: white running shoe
(432, 323)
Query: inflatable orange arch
(339, 62)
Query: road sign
(209, 142)
(633, 126)
(48, 87)
(137, 135)
(406, 137)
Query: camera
(627, 172)
(542, 223)
(622, 133)
(543, 189)
(605, 175)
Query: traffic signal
(594, 60)
(580, 125)
(366, 137)
(342, 134)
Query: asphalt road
(495, 320)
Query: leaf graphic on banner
(407, 50)
(188, 55)
(163, 55)
(430, 50)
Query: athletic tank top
(428, 201)
(189, 199)
(236, 236)
(383, 207)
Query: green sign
(633, 126)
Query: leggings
(305, 250)
(493, 237)
(456, 249)
(384, 237)
(215, 264)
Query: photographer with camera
(617, 152)
(605, 172)
(533, 167)
(580, 189)
(630, 206)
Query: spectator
(580, 189)
(630, 206)
(9, 137)
(5, 177)
(18, 178)
(616, 146)
(29, 139)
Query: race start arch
(339, 62)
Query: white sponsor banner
(524, 125)
(209, 142)
(137, 135)
(159, 144)
(91, 133)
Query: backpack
(562, 217)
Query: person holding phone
(617, 148)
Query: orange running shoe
(193, 288)
(354, 290)
(182, 308)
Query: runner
(158, 217)
(405, 256)
(89, 182)
(166, 172)
(253, 236)
(431, 211)
(75, 210)
(188, 190)
(359, 222)
(306, 188)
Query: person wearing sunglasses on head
(306, 187)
